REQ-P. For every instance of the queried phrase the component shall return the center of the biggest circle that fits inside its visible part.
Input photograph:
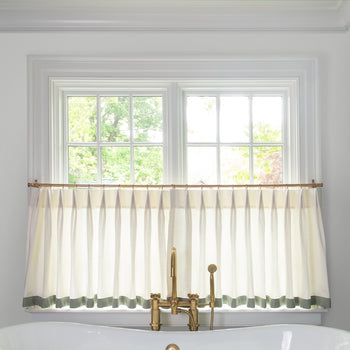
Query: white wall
(333, 52)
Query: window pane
(201, 119)
(234, 165)
(268, 165)
(148, 119)
(234, 119)
(115, 164)
(267, 119)
(148, 165)
(201, 165)
(115, 119)
(82, 119)
(82, 164)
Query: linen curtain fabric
(102, 247)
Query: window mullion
(185, 143)
(176, 146)
(287, 168)
(98, 146)
(66, 139)
(251, 149)
(165, 143)
(218, 149)
(131, 123)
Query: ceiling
(180, 15)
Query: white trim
(142, 318)
(47, 74)
(178, 15)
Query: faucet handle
(155, 295)
(193, 296)
(212, 268)
(155, 315)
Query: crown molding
(174, 15)
(345, 11)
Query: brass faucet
(176, 305)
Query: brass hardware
(173, 300)
(178, 306)
(37, 184)
(155, 317)
(172, 347)
(194, 312)
(212, 268)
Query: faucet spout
(193, 325)
(176, 305)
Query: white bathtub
(73, 336)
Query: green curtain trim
(277, 303)
(58, 303)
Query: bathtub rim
(283, 326)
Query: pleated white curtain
(99, 248)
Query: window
(294, 81)
(175, 90)
(229, 135)
(114, 138)
(235, 138)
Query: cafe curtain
(107, 247)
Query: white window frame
(177, 169)
(59, 122)
(291, 171)
(48, 74)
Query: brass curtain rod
(37, 184)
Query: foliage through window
(115, 139)
(234, 138)
(227, 137)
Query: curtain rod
(313, 184)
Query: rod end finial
(212, 268)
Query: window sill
(140, 318)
